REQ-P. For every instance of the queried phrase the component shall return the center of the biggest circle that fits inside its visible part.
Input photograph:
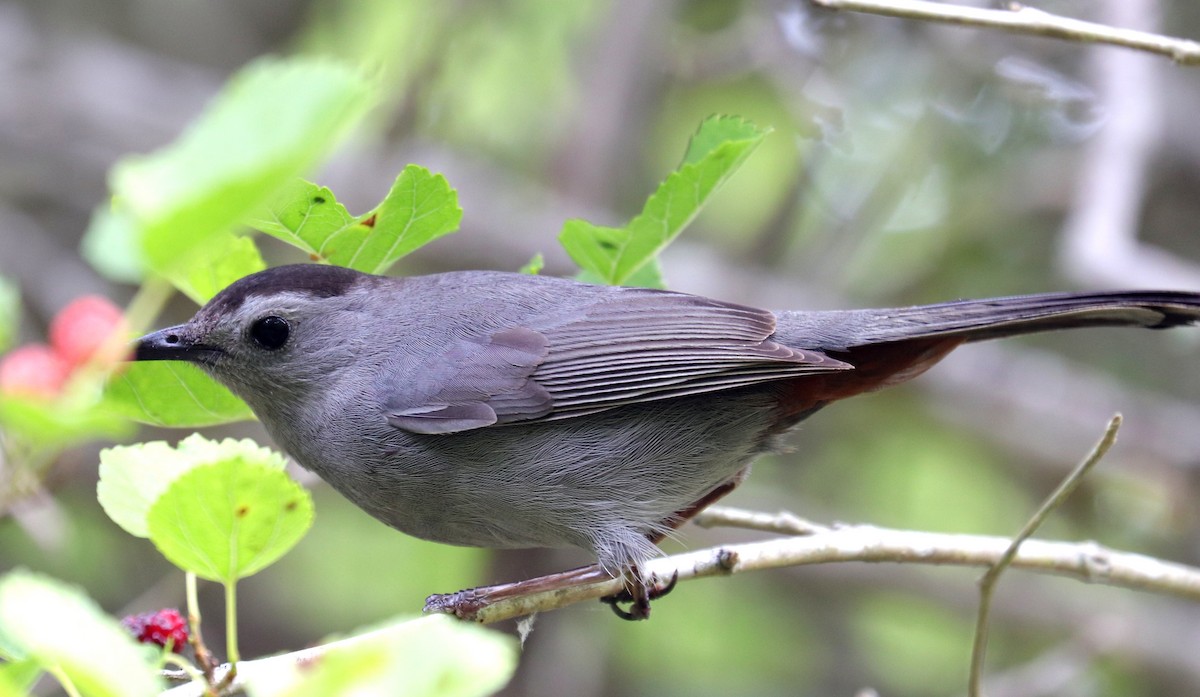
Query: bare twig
(987, 584)
(1025, 20)
(784, 523)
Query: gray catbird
(505, 410)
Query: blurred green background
(908, 163)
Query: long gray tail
(976, 320)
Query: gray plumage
(504, 410)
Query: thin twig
(1020, 19)
(987, 584)
(784, 523)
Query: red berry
(159, 628)
(82, 330)
(34, 370)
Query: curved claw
(638, 592)
(622, 597)
(663, 591)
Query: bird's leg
(678, 518)
(638, 589)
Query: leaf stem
(193, 603)
(231, 645)
(203, 657)
(61, 676)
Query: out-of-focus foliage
(341, 545)
(905, 163)
(504, 71)
(427, 657)
(174, 210)
(275, 120)
(102, 660)
(10, 313)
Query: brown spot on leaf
(291, 506)
(242, 511)
(369, 222)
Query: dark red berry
(159, 628)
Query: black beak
(171, 344)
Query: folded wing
(630, 347)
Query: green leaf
(592, 247)
(274, 120)
(715, 131)
(17, 677)
(432, 656)
(420, 208)
(649, 276)
(614, 255)
(61, 422)
(534, 266)
(111, 246)
(230, 519)
(57, 626)
(229, 258)
(10, 313)
(305, 216)
(9, 650)
(132, 477)
(175, 394)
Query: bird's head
(272, 333)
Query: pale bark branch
(1020, 19)
(1084, 561)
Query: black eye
(270, 332)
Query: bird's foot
(639, 591)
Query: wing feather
(628, 346)
(663, 345)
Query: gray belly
(601, 482)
